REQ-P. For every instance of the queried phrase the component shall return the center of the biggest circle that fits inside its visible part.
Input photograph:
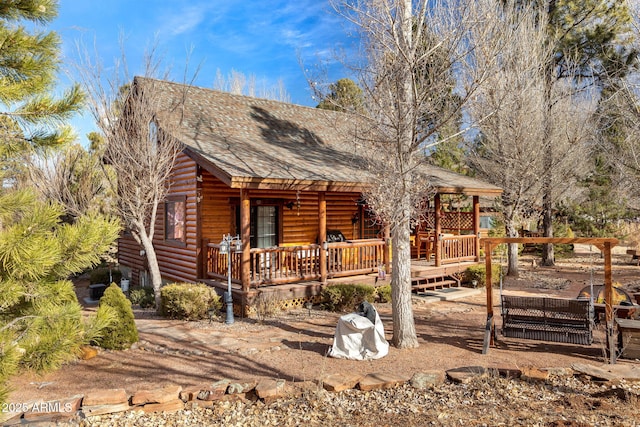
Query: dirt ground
(293, 345)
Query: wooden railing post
(322, 234)
(245, 230)
(476, 225)
(204, 259)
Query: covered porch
(442, 246)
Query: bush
(143, 297)
(478, 273)
(120, 334)
(188, 301)
(101, 275)
(345, 297)
(384, 293)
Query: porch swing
(549, 318)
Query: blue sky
(260, 38)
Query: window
(486, 222)
(264, 222)
(264, 226)
(175, 212)
(372, 226)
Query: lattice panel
(288, 304)
(450, 221)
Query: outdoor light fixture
(229, 245)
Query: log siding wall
(178, 261)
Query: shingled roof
(257, 143)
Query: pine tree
(41, 324)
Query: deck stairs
(423, 282)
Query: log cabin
(285, 179)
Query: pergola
(604, 244)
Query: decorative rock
(270, 388)
(189, 395)
(532, 373)
(427, 379)
(217, 390)
(380, 381)
(237, 388)
(158, 395)
(507, 371)
(54, 410)
(91, 410)
(88, 352)
(112, 396)
(340, 382)
(466, 374)
(594, 372)
(170, 406)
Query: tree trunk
(512, 250)
(404, 331)
(548, 257)
(154, 268)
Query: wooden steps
(423, 283)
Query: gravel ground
(485, 401)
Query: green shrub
(478, 273)
(143, 297)
(345, 297)
(102, 275)
(120, 334)
(188, 301)
(384, 293)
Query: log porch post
(437, 242)
(322, 234)
(245, 235)
(476, 225)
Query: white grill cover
(358, 339)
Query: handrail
(457, 248)
(290, 264)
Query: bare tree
(516, 125)
(238, 83)
(74, 178)
(618, 121)
(138, 149)
(414, 51)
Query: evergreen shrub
(143, 297)
(102, 275)
(384, 293)
(121, 333)
(479, 274)
(188, 301)
(345, 297)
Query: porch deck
(299, 293)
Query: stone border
(174, 398)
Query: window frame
(175, 200)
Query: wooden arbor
(604, 244)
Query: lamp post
(228, 245)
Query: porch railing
(457, 248)
(290, 264)
(355, 257)
(217, 267)
(285, 264)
